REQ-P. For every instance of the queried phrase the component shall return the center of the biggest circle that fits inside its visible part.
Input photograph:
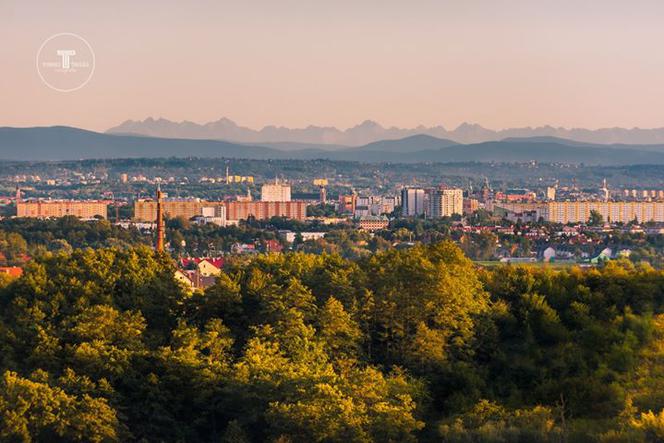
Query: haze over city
(294, 63)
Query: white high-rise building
(446, 202)
(374, 205)
(275, 192)
(412, 202)
(212, 214)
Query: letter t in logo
(65, 54)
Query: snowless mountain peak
(370, 131)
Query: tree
(31, 410)
(103, 342)
(438, 278)
(340, 333)
(103, 345)
(60, 245)
(652, 424)
(306, 399)
(596, 218)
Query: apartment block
(275, 192)
(446, 202)
(62, 208)
(412, 202)
(264, 210)
(579, 211)
(146, 210)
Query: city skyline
(512, 64)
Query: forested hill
(405, 345)
(66, 143)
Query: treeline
(35, 235)
(410, 345)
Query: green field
(537, 264)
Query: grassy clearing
(538, 264)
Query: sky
(499, 63)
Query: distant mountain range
(370, 131)
(66, 143)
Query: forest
(402, 345)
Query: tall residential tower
(412, 202)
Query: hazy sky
(499, 63)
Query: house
(207, 266)
(604, 229)
(633, 229)
(193, 279)
(183, 277)
(272, 246)
(200, 281)
(604, 255)
(243, 248)
(548, 254)
(568, 231)
(11, 271)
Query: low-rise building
(470, 205)
(11, 271)
(290, 236)
(373, 223)
(243, 248)
(516, 195)
(272, 246)
(206, 266)
(193, 279)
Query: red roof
(13, 271)
(217, 261)
(273, 246)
